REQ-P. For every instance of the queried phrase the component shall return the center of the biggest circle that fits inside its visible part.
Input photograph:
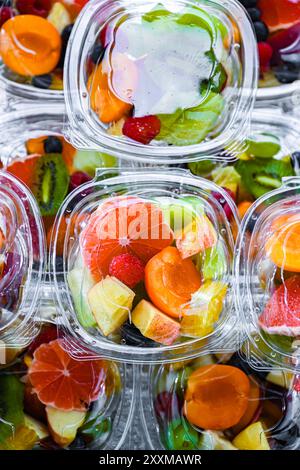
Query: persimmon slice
(216, 397)
(30, 45)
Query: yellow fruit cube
(252, 438)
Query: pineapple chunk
(252, 438)
(63, 425)
(59, 17)
(110, 301)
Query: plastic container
(219, 403)
(167, 217)
(269, 153)
(158, 131)
(96, 415)
(41, 31)
(266, 271)
(21, 263)
(32, 146)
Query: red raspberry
(5, 14)
(34, 7)
(142, 129)
(265, 53)
(127, 268)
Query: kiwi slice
(52, 183)
(11, 405)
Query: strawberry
(265, 53)
(142, 129)
(5, 14)
(281, 315)
(34, 7)
(127, 268)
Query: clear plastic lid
(34, 150)
(44, 408)
(147, 265)
(33, 41)
(270, 152)
(267, 277)
(218, 402)
(21, 261)
(140, 97)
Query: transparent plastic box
(118, 236)
(266, 271)
(38, 409)
(108, 70)
(219, 402)
(22, 260)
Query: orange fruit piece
(30, 45)
(63, 382)
(243, 208)
(254, 407)
(125, 224)
(216, 396)
(283, 244)
(170, 281)
(282, 14)
(36, 146)
(25, 169)
(104, 102)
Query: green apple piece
(111, 302)
(11, 405)
(59, 17)
(179, 213)
(39, 428)
(80, 283)
(63, 425)
(88, 161)
(213, 262)
(263, 145)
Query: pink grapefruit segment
(63, 382)
(281, 315)
(279, 14)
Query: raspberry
(77, 179)
(223, 202)
(34, 7)
(5, 14)
(265, 53)
(142, 129)
(127, 268)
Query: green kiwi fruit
(52, 183)
(11, 405)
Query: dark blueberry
(251, 223)
(248, 3)
(53, 145)
(254, 14)
(5, 3)
(287, 74)
(66, 33)
(133, 337)
(296, 160)
(237, 360)
(59, 264)
(261, 31)
(42, 81)
(97, 53)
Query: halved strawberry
(142, 129)
(34, 7)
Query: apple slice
(154, 324)
(63, 425)
(39, 428)
(198, 236)
(110, 301)
(80, 283)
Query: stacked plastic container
(149, 225)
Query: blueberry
(53, 145)
(287, 74)
(97, 53)
(261, 31)
(248, 3)
(42, 81)
(133, 337)
(296, 160)
(254, 14)
(5, 3)
(66, 33)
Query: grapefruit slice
(281, 14)
(283, 246)
(63, 382)
(125, 224)
(281, 315)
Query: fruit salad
(34, 35)
(146, 271)
(49, 400)
(51, 168)
(126, 64)
(21, 258)
(271, 275)
(277, 29)
(264, 159)
(220, 403)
